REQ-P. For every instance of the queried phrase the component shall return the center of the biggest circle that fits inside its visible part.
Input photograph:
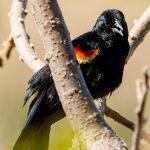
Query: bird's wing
(86, 47)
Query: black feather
(35, 134)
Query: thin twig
(124, 121)
(138, 32)
(6, 50)
(119, 118)
(142, 89)
(22, 41)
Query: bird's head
(111, 23)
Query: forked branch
(57, 39)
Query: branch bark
(138, 32)
(22, 41)
(142, 89)
(89, 126)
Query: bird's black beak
(117, 28)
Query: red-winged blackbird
(101, 54)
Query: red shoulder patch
(87, 56)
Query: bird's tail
(44, 110)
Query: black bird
(101, 54)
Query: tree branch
(89, 126)
(27, 53)
(119, 118)
(124, 121)
(138, 32)
(7, 47)
(22, 41)
(142, 89)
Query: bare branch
(126, 122)
(6, 49)
(142, 89)
(22, 41)
(138, 32)
(26, 49)
(119, 118)
(89, 126)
